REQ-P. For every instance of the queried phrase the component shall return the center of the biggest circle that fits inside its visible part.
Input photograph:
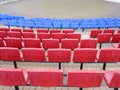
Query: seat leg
(59, 65)
(81, 89)
(15, 64)
(16, 88)
(83, 30)
(100, 46)
(104, 66)
(115, 88)
(81, 66)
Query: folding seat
(85, 78)
(16, 30)
(33, 54)
(4, 29)
(31, 42)
(50, 43)
(69, 43)
(3, 34)
(110, 55)
(112, 79)
(74, 36)
(94, 33)
(109, 31)
(28, 30)
(13, 42)
(45, 78)
(28, 35)
(66, 31)
(88, 43)
(42, 31)
(14, 34)
(58, 36)
(43, 36)
(116, 45)
(116, 38)
(12, 77)
(55, 31)
(10, 54)
(1, 43)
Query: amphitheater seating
(116, 38)
(28, 35)
(14, 34)
(50, 43)
(42, 31)
(33, 54)
(69, 43)
(74, 36)
(43, 36)
(2, 43)
(45, 78)
(85, 78)
(3, 34)
(88, 43)
(13, 42)
(94, 33)
(31, 43)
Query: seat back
(14, 34)
(42, 31)
(33, 54)
(4, 29)
(3, 34)
(10, 54)
(12, 77)
(69, 43)
(94, 33)
(16, 30)
(109, 31)
(45, 78)
(43, 36)
(55, 31)
(85, 78)
(88, 43)
(66, 31)
(104, 37)
(109, 55)
(13, 42)
(50, 43)
(74, 36)
(31, 43)
(116, 38)
(59, 55)
(84, 55)
(28, 30)
(28, 35)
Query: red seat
(74, 36)
(4, 29)
(12, 77)
(14, 34)
(118, 31)
(43, 36)
(31, 42)
(50, 43)
(112, 79)
(59, 55)
(1, 43)
(66, 31)
(28, 35)
(16, 30)
(116, 38)
(104, 37)
(10, 54)
(3, 34)
(94, 33)
(84, 55)
(69, 43)
(116, 45)
(54, 31)
(28, 30)
(58, 36)
(42, 31)
(45, 78)
(33, 54)
(88, 43)
(109, 31)
(13, 42)
(109, 55)
(85, 78)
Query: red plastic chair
(33, 54)
(74, 36)
(2, 43)
(109, 31)
(42, 31)
(85, 78)
(50, 43)
(12, 77)
(58, 36)
(43, 36)
(45, 78)
(16, 30)
(28, 35)
(116, 38)
(28, 30)
(3, 34)
(4, 29)
(69, 43)
(112, 78)
(94, 33)
(88, 43)
(14, 34)
(31, 43)
(13, 42)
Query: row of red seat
(52, 78)
(48, 43)
(59, 55)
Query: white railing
(6, 1)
